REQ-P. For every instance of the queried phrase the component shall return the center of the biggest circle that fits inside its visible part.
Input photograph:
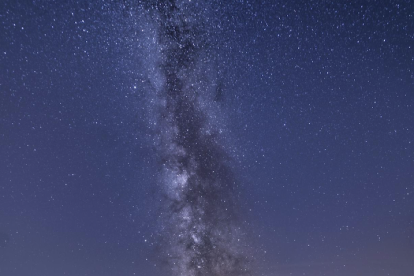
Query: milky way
(200, 192)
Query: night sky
(206, 138)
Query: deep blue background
(320, 103)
